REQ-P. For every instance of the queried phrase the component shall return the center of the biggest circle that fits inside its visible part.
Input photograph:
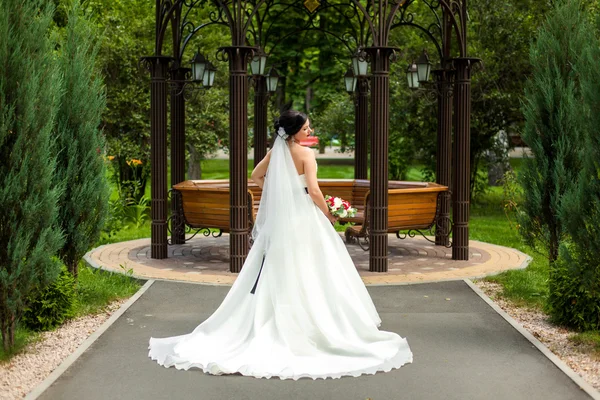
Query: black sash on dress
(258, 276)
(263, 263)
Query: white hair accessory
(281, 133)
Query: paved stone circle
(206, 259)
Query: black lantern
(209, 75)
(413, 76)
(198, 66)
(272, 79)
(360, 64)
(258, 63)
(423, 67)
(350, 81)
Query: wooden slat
(208, 224)
(411, 199)
(203, 220)
(207, 201)
(409, 220)
(411, 213)
(208, 211)
(400, 208)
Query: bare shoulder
(308, 153)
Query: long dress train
(308, 313)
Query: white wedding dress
(303, 312)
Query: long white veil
(282, 195)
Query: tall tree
(80, 168)
(575, 285)
(553, 125)
(29, 94)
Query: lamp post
(350, 82)
(272, 80)
(264, 85)
(201, 74)
(361, 114)
(412, 76)
(198, 66)
(418, 74)
(423, 67)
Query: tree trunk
(74, 269)
(5, 340)
(554, 243)
(194, 168)
(11, 331)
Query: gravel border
(31, 372)
(37, 361)
(580, 358)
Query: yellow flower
(136, 162)
(110, 158)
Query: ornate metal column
(177, 150)
(260, 118)
(361, 128)
(158, 67)
(444, 149)
(461, 155)
(238, 156)
(380, 105)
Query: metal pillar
(177, 151)
(361, 128)
(238, 156)
(444, 149)
(461, 158)
(380, 105)
(260, 118)
(158, 67)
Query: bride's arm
(310, 172)
(258, 174)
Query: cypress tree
(80, 168)
(29, 96)
(553, 125)
(575, 295)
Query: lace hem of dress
(212, 368)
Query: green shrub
(575, 291)
(53, 305)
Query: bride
(298, 308)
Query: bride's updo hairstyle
(291, 121)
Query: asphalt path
(462, 350)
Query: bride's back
(299, 154)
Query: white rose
(344, 213)
(337, 202)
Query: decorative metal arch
(377, 19)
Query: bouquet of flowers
(339, 207)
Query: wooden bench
(205, 205)
(412, 207)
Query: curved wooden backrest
(209, 207)
(411, 205)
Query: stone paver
(410, 260)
